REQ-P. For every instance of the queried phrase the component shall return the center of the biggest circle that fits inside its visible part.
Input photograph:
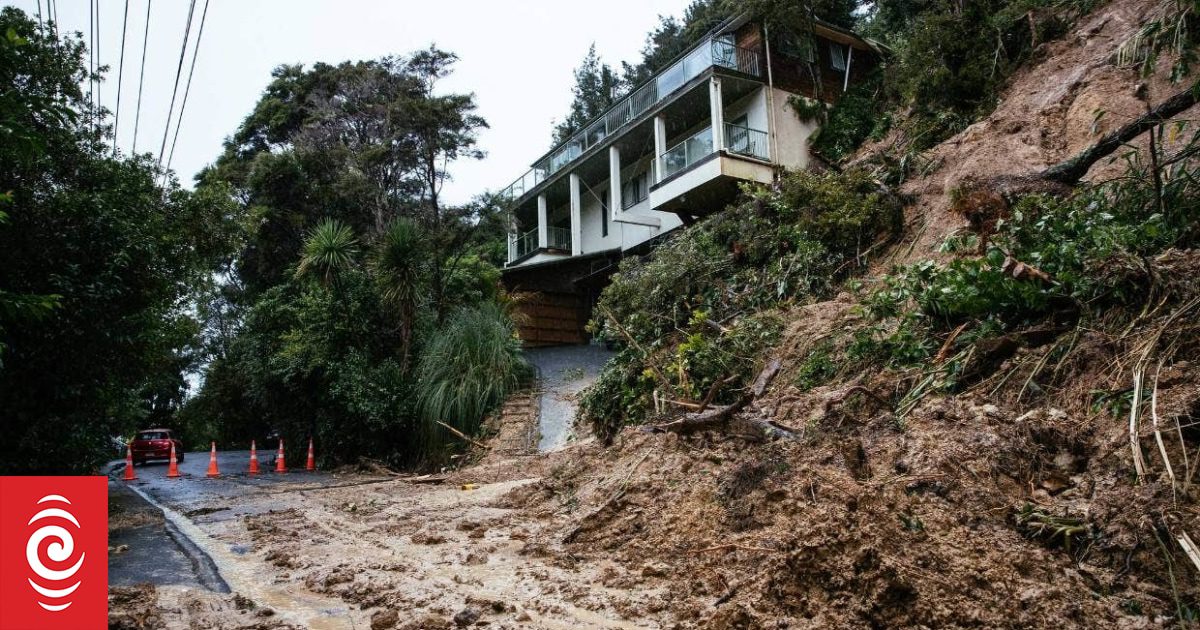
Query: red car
(155, 444)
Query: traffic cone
(279, 465)
(212, 463)
(129, 474)
(173, 469)
(312, 462)
(253, 459)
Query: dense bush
(468, 368)
(1076, 257)
(692, 317)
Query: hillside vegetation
(931, 384)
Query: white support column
(660, 146)
(543, 223)
(614, 181)
(576, 217)
(717, 105)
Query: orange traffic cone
(129, 474)
(173, 469)
(212, 463)
(312, 462)
(279, 465)
(253, 459)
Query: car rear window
(153, 435)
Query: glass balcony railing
(747, 141)
(712, 52)
(521, 245)
(683, 155)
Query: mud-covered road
(325, 550)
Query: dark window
(604, 210)
(635, 189)
(153, 435)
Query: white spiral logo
(59, 551)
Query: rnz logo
(60, 550)
(53, 553)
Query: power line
(187, 29)
(120, 77)
(98, 106)
(92, 56)
(187, 90)
(137, 117)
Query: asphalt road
(146, 547)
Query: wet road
(147, 545)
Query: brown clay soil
(1001, 507)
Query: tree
(596, 87)
(123, 254)
(399, 266)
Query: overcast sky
(517, 56)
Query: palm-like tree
(400, 262)
(329, 250)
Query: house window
(837, 56)
(604, 214)
(635, 190)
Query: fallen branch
(766, 376)
(1189, 547)
(735, 546)
(1073, 170)
(702, 421)
(463, 436)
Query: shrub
(690, 316)
(468, 368)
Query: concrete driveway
(563, 373)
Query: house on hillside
(674, 149)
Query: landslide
(1010, 499)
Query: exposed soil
(1002, 507)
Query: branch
(1072, 170)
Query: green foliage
(350, 263)
(100, 262)
(1088, 252)
(817, 368)
(329, 250)
(682, 316)
(468, 368)
(858, 115)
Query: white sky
(516, 56)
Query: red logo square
(53, 553)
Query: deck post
(576, 216)
(543, 222)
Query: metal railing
(560, 238)
(711, 52)
(683, 155)
(521, 245)
(746, 141)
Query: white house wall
(791, 134)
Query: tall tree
(596, 88)
(123, 252)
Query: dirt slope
(1070, 96)
(1002, 507)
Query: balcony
(739, 140)
(526, 243)
(716, 51)
(522, 245)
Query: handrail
(747, 141)
(688, 152)
(713, 51)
